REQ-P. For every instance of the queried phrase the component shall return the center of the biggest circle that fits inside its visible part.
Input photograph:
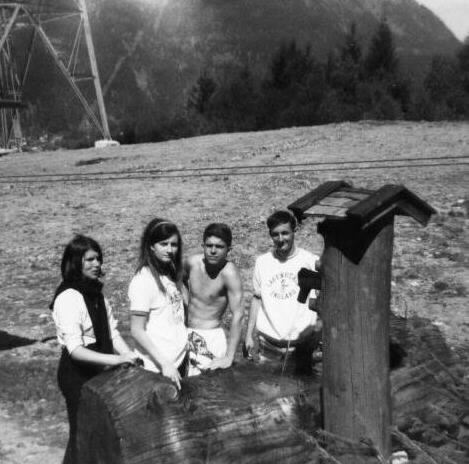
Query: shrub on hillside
(297, 89)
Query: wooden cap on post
(355, 302)
(339, 200)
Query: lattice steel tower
(35, 16)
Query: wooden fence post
(355, 304)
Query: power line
(231, 167)
(144, 176)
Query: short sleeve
(256, 280)
(68, 311)
(139, 294)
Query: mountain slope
(163, 46)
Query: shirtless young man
(214, 285)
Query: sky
(454, 13)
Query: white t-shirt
(73, 322)
(281, 316)
(165, 325)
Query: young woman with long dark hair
(86, 327)
(156, 300)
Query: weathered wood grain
(245, 414)
(251, 414)
(391, 198)
(354, 301)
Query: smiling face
(215, 251)
(166, 250)
(283, 238)
(91, 265)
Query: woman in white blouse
(156, 301)
(85, 327)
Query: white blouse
(73, 323)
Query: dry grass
(430, 276)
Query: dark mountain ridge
(163, 46)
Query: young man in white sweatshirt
(283, 324)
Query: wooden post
(355, 302)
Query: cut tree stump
(251, 414)
(244, 414)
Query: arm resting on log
(83, 354)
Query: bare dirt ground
(430, 273)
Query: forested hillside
(151, 54)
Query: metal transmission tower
(77, 62)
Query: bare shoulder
(192, 260)
(231, 272)
(233, 285)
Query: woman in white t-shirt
(156, 300)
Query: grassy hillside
(430, 271)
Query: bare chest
(206, 288)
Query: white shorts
(204, 346)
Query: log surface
(253, 415)
(244, 414)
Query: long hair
(72, 259)
(158, 230)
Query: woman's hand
(168, 370)
(128, 357)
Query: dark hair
(220, 230)
(281, 217)
(72, 259)
(156, 231)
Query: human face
(283, 238)
(165, 250)
(91, 265)
(215, 250)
